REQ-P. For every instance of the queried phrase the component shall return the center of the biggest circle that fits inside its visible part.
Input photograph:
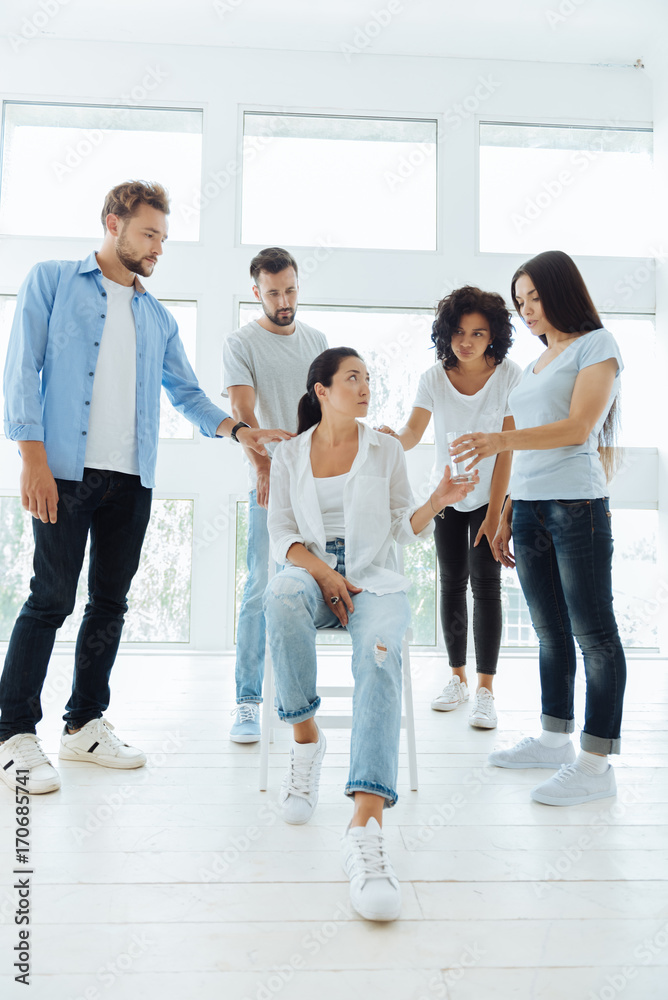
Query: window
(159, 602)
(172, 424)
(330, 181)
(66, 157)
(579, 189)
(395, 344)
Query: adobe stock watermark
(365, 34)
(562, 12)
(34, 25)
(225, 7)
(649, 948)
(116, 968)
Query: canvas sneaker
(530, 752)
(95, 743)
(570, 786)
(298, 796)
(483, 713)
(23, 752)
(453, 694)
(246, 728)
(375, 892)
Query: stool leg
(410, 718)
(267, 711)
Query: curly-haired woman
(468, 389)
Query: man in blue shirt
(89, 351)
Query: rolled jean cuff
(552, 725)
(373, 788)
(597, 744)
(251, 699)
(302, 714)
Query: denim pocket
(573, 503)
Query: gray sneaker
(570, 786)
(530, 752)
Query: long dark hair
(323, 369)
(461, 302)
(568, 307)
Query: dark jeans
(563, 550)
(115, 509)
(458, 561)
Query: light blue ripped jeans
(294, 608)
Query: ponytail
(308, 412)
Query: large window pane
(395, 344)
(640, 397)
(159, 602)
(582, 190)
(70, 155)
(312, 180)
(7, 310)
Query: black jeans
(459, 561)
(115, 509)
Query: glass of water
(457, 467)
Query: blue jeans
(114, 508)
(563, 550)
(294, 609)
(251, 637)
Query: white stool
(329, 721)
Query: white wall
(215, 270)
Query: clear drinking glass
(457, 468)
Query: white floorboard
(179, 880)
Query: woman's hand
(488, 530)
(332, 584)
(384, 429)
(447, 492)
(501, 543)
(474, 447)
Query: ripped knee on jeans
(379, 652)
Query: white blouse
(377, 508)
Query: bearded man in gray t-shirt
(265, 365)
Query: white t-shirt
(112, 426)
(276, 366)
(573, 473)
(485, 411)
(329, 491)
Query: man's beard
(138, 265)
(280, 320)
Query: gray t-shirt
(276, 366)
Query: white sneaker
(298, 796)
(453, 694)
(483, 713)
(23, 752)
(570, 786)
(374, 888)
(95, 743)
(531, 753)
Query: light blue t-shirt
(575, 472)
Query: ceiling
(609, 32)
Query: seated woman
(339, 496)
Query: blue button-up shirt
(53, 350)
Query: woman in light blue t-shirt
(559, 517)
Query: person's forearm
(32, 451)
(499, 485)
(560, 434)
(408, 438)
(261, 463)
(300, 556)
(423, 515)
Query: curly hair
(461, 302)
(124, 199)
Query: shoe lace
(246, 711)
(371, 857)
(31, 752)
(451, 687)
(301, 775)
(103, 730)
(565, 771)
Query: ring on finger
(334, 600)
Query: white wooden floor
(179, 880)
